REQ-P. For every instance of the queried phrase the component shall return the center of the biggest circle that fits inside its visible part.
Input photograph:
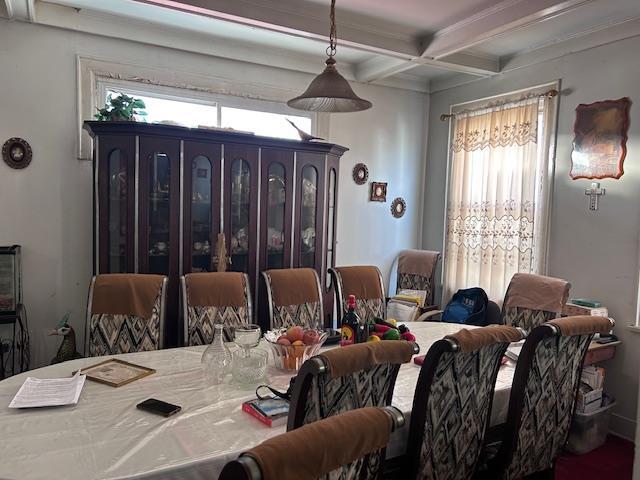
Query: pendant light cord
(331, 49)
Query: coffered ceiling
(419, 44)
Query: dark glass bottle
(350, 329)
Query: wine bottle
(350, 326)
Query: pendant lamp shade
(329, 92)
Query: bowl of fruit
(293, 346)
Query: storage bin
(589, 430)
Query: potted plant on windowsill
(121, 108)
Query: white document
(50, 392)
(513, 351)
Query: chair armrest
(429, 308)
(429, 316)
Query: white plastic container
(589, 430)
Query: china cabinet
(163, 193)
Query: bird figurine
(67, 350)
(304, 136)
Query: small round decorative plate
(398, 207)
(360, 173)
(17, 153)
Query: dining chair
(213, 297)
(294, 297)
(416, 273)
(452, 402)
(363, 281)
(543, 397)
(347, 378)
(336, 447)
(125, 313)
(532, 300)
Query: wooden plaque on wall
(600, 139)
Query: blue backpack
(468, 306)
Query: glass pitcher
(216, 359)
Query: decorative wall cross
(594, 195)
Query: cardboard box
(571, 309)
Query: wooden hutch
(163, 193)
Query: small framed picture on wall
(378, 192)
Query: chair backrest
(452, 402)
(363, 281)
(416, 271)
(294, 297)
(328, 447)
(341, 379)
(532, 300)
(125, 314)
(543, 395)
(210, 298)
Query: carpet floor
(612, 461)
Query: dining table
(104, 436)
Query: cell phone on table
(159, 407)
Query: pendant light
(330, 91)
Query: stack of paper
(50, 392)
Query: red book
(271, 412)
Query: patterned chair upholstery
(294, 297)
(532, 300)
(210, 298)
(125, 314)
(452, 403)
(363, 281)
(416, 271)
(318, 450)
(320, 392)
(543, 397)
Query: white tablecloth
(104, 436)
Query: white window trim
(95, 76)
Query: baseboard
(623, 427)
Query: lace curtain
(498, 198)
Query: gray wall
(596, 251)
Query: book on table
(270, 411)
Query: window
(193, 110)
(501, 160)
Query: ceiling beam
(288, 18)
(381, 67)
(503, 18)
(23, 10)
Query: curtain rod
(549, 93)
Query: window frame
(261, 94)
(181, 94)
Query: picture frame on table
(115, 373)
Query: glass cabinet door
(159, 207)
(240, 207)
(308, 211)
(201, 208)
(331, 219)
(276, 202)
(115, 204)
(239, 214)
(117, 211)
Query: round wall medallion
(398, 207)
(17, 153)
(360, 173)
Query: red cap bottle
(351, 302)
